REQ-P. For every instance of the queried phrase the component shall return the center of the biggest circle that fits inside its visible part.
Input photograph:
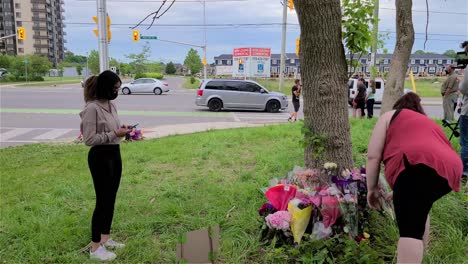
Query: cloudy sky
(448, 26)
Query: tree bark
(324, 77)
(395, 83)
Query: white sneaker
(102, 254)
(113, 244)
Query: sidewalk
(431, 101)
(170, 130)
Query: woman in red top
(420, 166)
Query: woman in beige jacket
(102, 131)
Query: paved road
(44, 114)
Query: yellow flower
(366, 235)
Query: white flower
(346, 173)
(330, 165)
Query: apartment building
(43, 22)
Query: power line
(424, 11)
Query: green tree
(193, 62)
(79, 69)
(450, 53)
(170, 68)
(72, 58)
(93, 62)
(124, 68)
(140, 60)
(155, 67)
(326, 124)
(420, 52)
(5, 61)
(357, 34)
(34, 64)
(114, 63)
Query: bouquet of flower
(303, 203)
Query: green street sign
(148, 37)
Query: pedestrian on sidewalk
(102, 131)
(296, 92)
(370, 95)
(449, 92)
(421, 167)
(463, 120)
(359, 102)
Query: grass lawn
(50, 81)
(188, 85)
(181, 183)
(424, 87)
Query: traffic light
(298, 46)
(136, 35)
(290, 4)
(240, 61)
(96, 32)
(21, 33)
(241, 66)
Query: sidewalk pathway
(169, 130)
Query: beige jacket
(450, 85)
(99, 123)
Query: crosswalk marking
(53, 134)
(14, 133)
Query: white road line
(53, 134)
(14, 133)
(236, 118)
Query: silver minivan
(219, 94)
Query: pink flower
(279, 220)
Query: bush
(37, 79)
(8, 78)
(192, 80)
(155, 75)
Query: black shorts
(414, 192)
(360, 104)
(296, 105)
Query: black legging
(105, 165)
(370, 108)
(414, 192)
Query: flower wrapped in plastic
(280, 195)
(300, 217)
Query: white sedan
(145, 85)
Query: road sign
(109, 33)
(148, 37)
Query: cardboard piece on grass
(199, 246)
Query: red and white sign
(241, 52)
(261, 52)
(251, 62)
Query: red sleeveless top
(421, 141)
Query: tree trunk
(324, 77)
(395, 83)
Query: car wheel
(157, 91)
(273, 106)
(215, 105)
(125, 90)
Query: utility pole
(204, 39)
(87, 64)
(283, 45)
(103, 40)
(375, 29)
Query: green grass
(188, 85)
(50, 81)
(176, 184)
(427, 87)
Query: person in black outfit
(360, 99)
(296, 91)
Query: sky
(448, 26)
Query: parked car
(219, 94)
(379, 90)
(145, 85)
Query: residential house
(419, 64)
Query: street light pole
(283, 46)
(204, 39)
(375, 29)
(103, 40)
(87, 64)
